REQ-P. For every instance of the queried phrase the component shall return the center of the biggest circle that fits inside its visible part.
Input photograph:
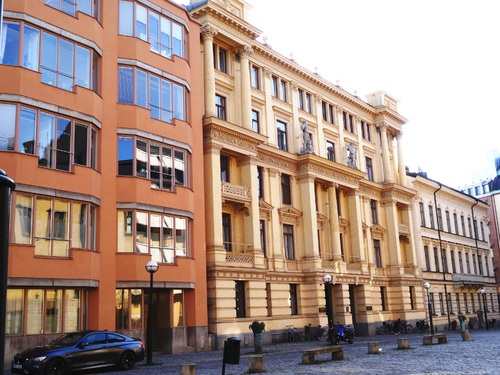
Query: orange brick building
(100, 128)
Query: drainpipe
(443, 265)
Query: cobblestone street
(479, 356)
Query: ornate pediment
(377, 231)
(289, 214)
(343, 223)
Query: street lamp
(329, 305)
(483, 294)
(429, 306)
(151, 267)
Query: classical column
(310, 222)
(401, 163)
(246, 98)
(333, 214)
(342, 149)
(251, 221)
(269, 127)
(391, 214)
(213, 212)
(385, 152)
(320, 147)
(355, 223)
(207, 35)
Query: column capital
(382, 125)
(245, 50)
(208, 32)
(268, 72)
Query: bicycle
(323, 334)
(291, 334)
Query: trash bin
(232, 351)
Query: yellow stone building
(302, 179)
(454, 253)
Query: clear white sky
(439, 58)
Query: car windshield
(68, 339)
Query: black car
(80, 351)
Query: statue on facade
(307, 144)
(351, 155)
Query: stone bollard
(255, 364)
(403, 344)
(373, 348)
(465, 335)
(188, 369)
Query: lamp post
(429, 306)
(151, 267)
(329, 305)
(483, 294)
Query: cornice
(398, 192)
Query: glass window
(141, 157)
(154, 31)
(79, 222)
(31, 48)
(46, 140)
(255, 121)
(179, 101)
(7, 126)
(330, 151)
(255, 76)
(141, 22)
(141, 88)
(177, 40)
(125, 156)
(165, 37)
(220, 107)
(288, 242)
(126, 13)
(286, 189)
(281, 135)
(82, 70)
(9, 44)
(34, 312)
(23, 219)
(378, 253)
(53, 311)
(49, 59)
(178, 307)
(14, 310)
(80, 145)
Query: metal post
(483, 294)
(6, 185)
(429, 306)
(151, 267)
(150, 322)
(329, 305)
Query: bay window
(166, 100)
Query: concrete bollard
(373, 347)
(403, 344)
(465, 335)
(255, 364)
(188, 369)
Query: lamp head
(152, 266)
(327, 278)
(482, 291)
(427, 285)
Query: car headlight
(37, 359)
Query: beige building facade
(454, 253)
(302, 179)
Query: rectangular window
(453, 267)
(52, 229)
(167, 166)
(467, 262)
(444, 260)
(308, 106)
(422, 214)
(240, 299)
(275, 81)
(431, 216)
(128, 305)
(220, 59)
(383, 298)
(281, 135)
(378, 253)
(411, 292)
(224, 168)
(457, 301)
(164, 237)
(441, 303)
(466, 306)
(23, 219)
(472, 302)
(469, 224)
(427, 258)
(220, 107)
(15, 312)
(464, 233)
(286, 189)
(373, 209)
(283, 91)
(226, 232)
(262, 230)
(448, 221)
(433, 307)
(455, 221)
(288, 242)
(436, 259)
(165, 36)
(482, 231)
(255, 76)
(260, 181)
(294, 303)
(330, 151)
(164, 99)
(300, 99)
(369, 168)
(255, 121)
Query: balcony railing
(235, 193)
(238, 253)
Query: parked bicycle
(312, 333)
(421, 326)
(394, 327)
(292, 335)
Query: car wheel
(55, 366)
(127, 360)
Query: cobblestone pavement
(480, 356)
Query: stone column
(269, 127)
(355, 222)
(309, 221)
(391, 214)
(213, 212)
(333, 215)
(246, 98)
(385, 153)
(401, 163)
(251, 220)
(207, 35)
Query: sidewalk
(477, 357)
